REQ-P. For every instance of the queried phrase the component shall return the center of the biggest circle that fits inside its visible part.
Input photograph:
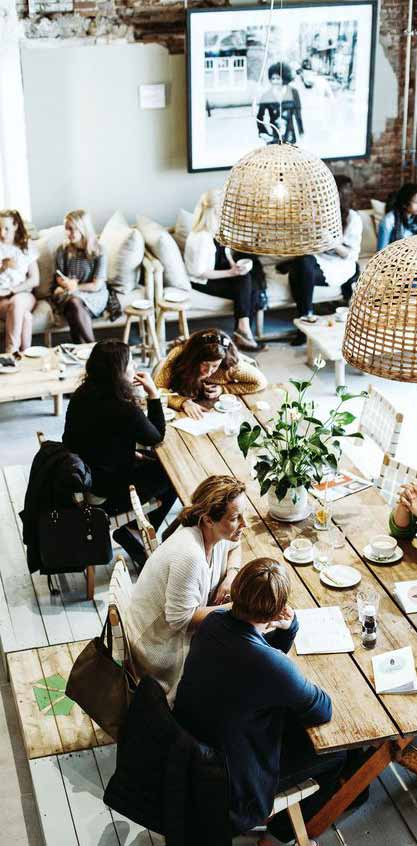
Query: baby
(13, 268)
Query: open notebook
(340, 485)
(322, 631)
(395, 672)
(211, 421)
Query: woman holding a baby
(19, 275)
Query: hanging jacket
(56, 474)
(164, 779)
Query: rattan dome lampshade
(280, 200)
(381, 328)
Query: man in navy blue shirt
(241, 694)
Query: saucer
(141, 304)
(291, 519)
(36, 352)
(367, 552)
(343, 575)
(175, 295)
(219, 407)
(294, 560)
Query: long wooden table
(360, 716)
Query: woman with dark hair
(19, 275)
(103, 425)
(400, 221)
(338, 266)
(197, 371)
(281, 104)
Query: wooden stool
(163, 307)
(146, 318)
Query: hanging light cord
(261, 75)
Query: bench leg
(126, 333)
(182, 320)
(91, 572)
(58, 405)
(155, 353)
(298, 824)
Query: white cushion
(124, 247)
(183, 226)
(47, 244)
(163, 246)
(378, 209)
(368, 244)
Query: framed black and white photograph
(309, 82)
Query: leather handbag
(70, 539)
(102, 686)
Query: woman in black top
(104, 424)
(281, 103)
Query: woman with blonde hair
(213, 270)
(201, 368)
(19, 275)
(185, 579)
(80, 290)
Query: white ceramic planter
(286, 509)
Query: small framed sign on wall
(40, 7)
(313, 87)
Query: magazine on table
(406, 595)
(339, 485)
(322, 631)
(395, 672)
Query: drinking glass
(368, 596)
(231, 422)
(322, 514)
(322, 556)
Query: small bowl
(383, 547)
(341, 314)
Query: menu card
(395, 672)
(406, 594)
(322, 631)
(339, 485)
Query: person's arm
(149, 430)
(199, 257)
(385, 231)
(99, 275)
(245, 379)
(183, 608)
(403, 518)
(31, 281)
(234, 561)
(292, 690)
(281, 638)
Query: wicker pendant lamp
(381, 328)
(280, 200)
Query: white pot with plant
(297, 448)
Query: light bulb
(279, 192)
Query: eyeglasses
(214, 338)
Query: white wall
(91, 146)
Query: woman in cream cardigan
(197, 371)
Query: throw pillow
(124, 247)
(46, 245)
(164, 248)
(378, 208)
(368, 244)
(183, 225)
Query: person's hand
(284, 619)
(222, 594)
(8, 264)
(147, 383)
(236, 270)
(193, 409)
(68, 283)
(408, 497)
(212, 392)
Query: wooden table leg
(341, 800)
(58, 405)
(91, 572)
(339, 370)
(310, 352)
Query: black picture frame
(199, 68)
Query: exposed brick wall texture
(163, 22)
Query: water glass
(322, 556)
(322, 514)
(231, 423)
(366, 597)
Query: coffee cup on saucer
(228, 401)
(341, 314)
(383, 547)
(301, 549)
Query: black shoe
(299, 339)
(131, 545)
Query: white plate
(290, 557)
(83, 353)
(169, 414)
(36, 352)
(141, 304)
(175, 295)
(9, 371)
(367, 552)
(219, 407)
(291, 519)
(347, 576)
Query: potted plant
(297, 448)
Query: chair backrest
(146, 530)
(120, 591)
(392, 475)
(381, 421)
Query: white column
(14, 168)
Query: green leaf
(354, 435)
(343, 418)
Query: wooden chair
(381, 422)
(392, 475)
(120, 591)
(137, 514)
(289, 800)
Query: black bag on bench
(70, 539)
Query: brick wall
(162, 21)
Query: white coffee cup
(227, 401)
(341, 314)
(246, 264)
(301, 548)
(383, 547)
